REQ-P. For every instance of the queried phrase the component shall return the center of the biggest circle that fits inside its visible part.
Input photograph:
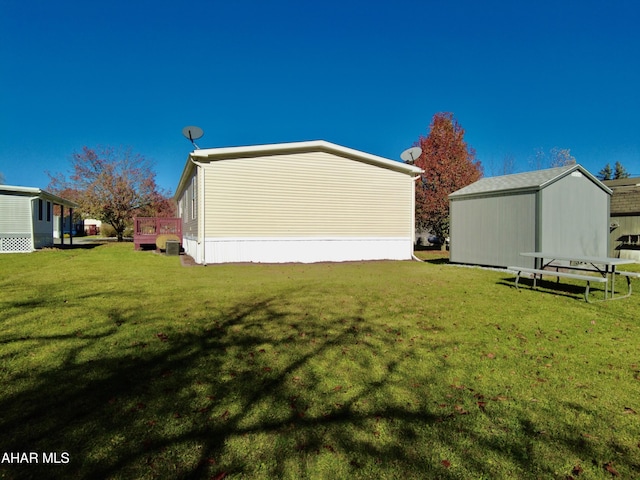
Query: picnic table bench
(603, 267)
(628, 276)
(536, 272)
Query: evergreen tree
(605, 173)
(620, 172)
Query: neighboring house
(27, 218)
(625, 218)
(295, 202)
(91, 226)
(562, 210)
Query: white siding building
(295, 202)
(26, 218)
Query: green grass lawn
(129, 365)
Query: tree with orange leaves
(449, 164)
(112, 185)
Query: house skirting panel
(190, 247)
(302, 250)
(42, 240)
(16, 243)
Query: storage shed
(27, 219)
(295, 202)
(562, 210)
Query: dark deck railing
(147, 229)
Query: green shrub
(107, 231)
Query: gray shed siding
(575, 217)
(564, 210)
(493, 230)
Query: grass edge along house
(303, 202)
(563, 210)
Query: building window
(48, 211)
(40, 209)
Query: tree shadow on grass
(261, 389)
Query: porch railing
(147, 229)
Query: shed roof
(36, 192)
(535, 180)
(626, 196)
(227, 153)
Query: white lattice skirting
(15, 244)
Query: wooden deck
(147, 229)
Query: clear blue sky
(517, 75)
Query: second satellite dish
(410, 155)
(192, 133)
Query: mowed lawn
(129, 365)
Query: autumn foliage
(448, 164)
(112, 185)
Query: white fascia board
(37, 192)
(584, 171)
(186, 172)
(309, 146)
(13, 188)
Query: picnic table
(604, 266)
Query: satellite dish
(411, 154)
(192, 133)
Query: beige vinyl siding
(314, 194)
(186, 208)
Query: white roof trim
(314, 145)
(225, 153)
(523, 182)
(37, 192)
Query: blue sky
(518, 76)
